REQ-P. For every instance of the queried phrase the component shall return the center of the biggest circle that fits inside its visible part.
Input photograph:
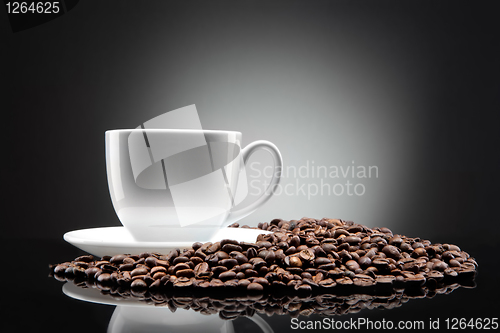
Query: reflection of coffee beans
(305, 255)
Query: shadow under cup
(175, 185)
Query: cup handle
(278, 163)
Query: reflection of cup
(180, 185)
(161, 319)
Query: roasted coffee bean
(91, 272)
(322, 261)
(183, 282)
(364, 261)
(126, 267)
(195, 260)
(328, 247)
(294, 261)
(185, 273)
(196, 245)
(251, 253)
(159, 275)
(60, 269)
(228, 262)
(213, 248)
(327, 267)
(105, 278)
(180, 266)
(419, 251)
(306, 255)
(252, 287)
(176, 260)
(352, 239)
(138, 284)
(216, 283)
(243, 283)
(352, 265)
(88, 258)
(362, 280)
(265, 244)
(221, 255)
(227, 275)
(250, 273)
(219, 269)
(291, 250)
(327, 283)
(201, 269)
(270, 256)
(231, 247)
(117, 259)
(139, 271)
(391, 252)
(340, 231)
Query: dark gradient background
(411, 87)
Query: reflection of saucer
(94, 295)
(117, 240)
(132, 315)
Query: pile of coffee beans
(306, 255)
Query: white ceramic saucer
(117, 240)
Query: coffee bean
(231, 247)
(363, 280)
(185, 273)
(419, 252)
(126, 267)
(270, 257)
(139, 271)
(322, 261)
(227, 275)
(183, 282)
(175, 261)
(251, 253)
(306, 255)
(91, 272)
(201, 269)
(180, 266)
(213, 248)
(216, 283)
(352, 239)
(228, 262)
(294, 261)
(391, 252)
(117, 259)
(138, 284)
(255, 287)
(352, 265)
(327, 283)
(105, 278)
(265, 244)
(364, 261)
(219, 269)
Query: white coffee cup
(181, 185)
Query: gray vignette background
(409, 87)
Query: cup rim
(171, 130)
